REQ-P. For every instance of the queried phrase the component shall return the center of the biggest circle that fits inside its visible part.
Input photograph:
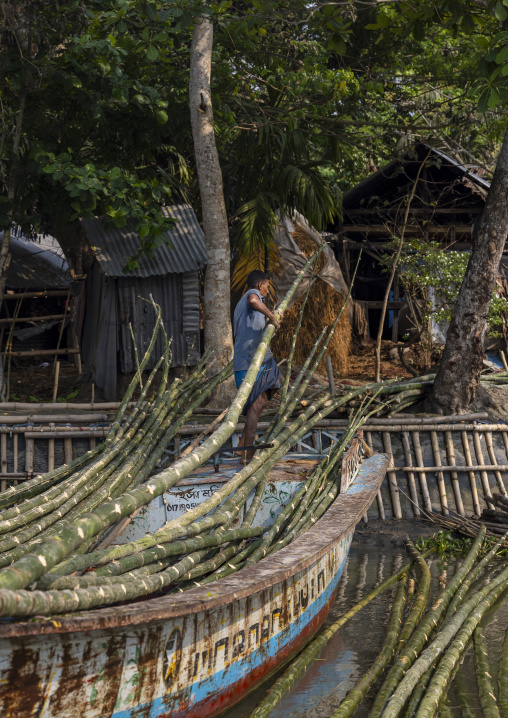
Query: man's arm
(256, 303)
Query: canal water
(354, 648)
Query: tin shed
(115, 300)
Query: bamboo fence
(453, 465)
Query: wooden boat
(195, 653)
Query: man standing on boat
(248, 325)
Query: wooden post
(395, 325)
(55, 386)
(67, 450)
(450, 453)
(51, 453)
(392, 477)
(29, 455)
(410, 474)
(503, 359)
(15, 444)
(3, 458)
(62, 325)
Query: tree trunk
(459, 373)
(217, 305)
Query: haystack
(323, 306)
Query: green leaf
(161, 117)
(493, 98)
(500, 12)
(502, 55)
(152, 53)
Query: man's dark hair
(255, 278)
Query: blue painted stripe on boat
(216, 683)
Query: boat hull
(194, 654)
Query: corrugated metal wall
(178, 297)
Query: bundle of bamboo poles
(53, 526)
(424, 647)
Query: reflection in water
(352, 651)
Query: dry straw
(323, 306)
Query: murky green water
(354, 648)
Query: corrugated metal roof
(114, 246)
(35, 268)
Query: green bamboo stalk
(471, 577)
(444, 710)
(356, 695)
(145, 558)
(291, 674)
(115, 425)
(418, 693)
(420, 636)
(488, 701)
(475, 606)
(31, 567)
(456, 648)
(420, 602)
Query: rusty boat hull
(191, 654)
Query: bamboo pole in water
(488, 701)
(420, 636)
(458, 631)
(356, 695)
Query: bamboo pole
(57, 376)
(392, 477)
(51, 454)
(493, 459)
(356, 695)
(439, 474)
(411, 477)
(3, 462)
(67, 450)
(483, 474)
(450, 453)
(488, 701)
(29, 455)
(472, 478)
(420, 465)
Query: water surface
(354, 648)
